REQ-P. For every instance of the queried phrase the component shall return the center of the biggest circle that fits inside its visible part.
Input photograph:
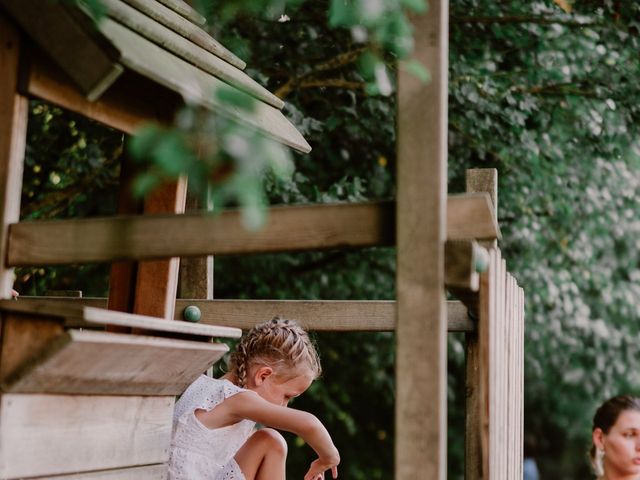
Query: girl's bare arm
(249, 405)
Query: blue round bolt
(192, 314)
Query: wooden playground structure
(63, 360)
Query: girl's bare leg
(263, 456)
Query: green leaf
(418, 6)
(417, 69)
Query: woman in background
(615, 452)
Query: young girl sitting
(213, 434)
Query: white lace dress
(200, 453)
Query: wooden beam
(86, 362)
(71, 38)
(75, 311)
(289, 228)
(14, 111)
(157, 280)
(485, 180)
(75, 433)
(131, 102)
(421, 353)
(318, 315)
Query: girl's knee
(272, 438)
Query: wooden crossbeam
(318, 315)
(77, 313)
(289, 228)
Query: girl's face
(621, 446)
(277, 389)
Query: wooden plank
(68, 434)
(198, 86)
(318, 315)
(485, 313)
(23, 338)
(521, 339)
(187, 29)
(100, 317)
(171, 41)
(157, 281)
(131, 102)
(14, 111)
(288, 228)
(103, 363)
(421, 355)
(473, 409)
(460, 264)
(150, 472)
(185, 10)
(471, 215)
(72, 41)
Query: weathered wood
(288, 228)
(486, 310)
(318, 315)
(84, 54)
(157, 281)
(460, 264)
(151, 472)
(196, 273)
(185, 10)
(22, 338)
(102, 363)
(187, 29)
(421, 360)
(470, 215)
(14, 111)
(98, 317)
(473, 409)
(122, 277)
(128, 104)
(485, 180)
(58, 434)
(198, 86)
(194, 54)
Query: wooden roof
(162, 40)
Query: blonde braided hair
(279, 343)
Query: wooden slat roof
(161, 40)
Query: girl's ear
(598, 438)
(261, 374)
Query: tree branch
(337, 62)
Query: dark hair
(607, 415)
(279, 343)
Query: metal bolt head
(192, 314)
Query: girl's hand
(318, 467)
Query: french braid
(279, 343)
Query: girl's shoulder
(205, 393)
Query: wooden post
(484, 180)
(14, 112)
(421, 358)
(196, 273)
(157, 280)
(478, 180)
